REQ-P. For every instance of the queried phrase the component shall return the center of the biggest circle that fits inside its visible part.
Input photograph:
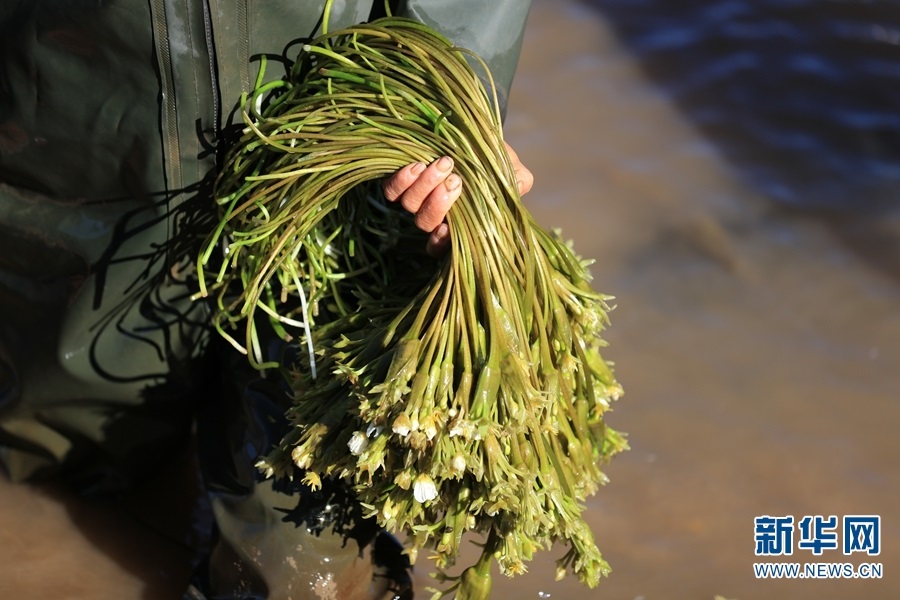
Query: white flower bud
(458, 465)
(402, 426)
(424, 489)
(358, 442)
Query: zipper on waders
(169, 116)
(213, 73)
(231, 14)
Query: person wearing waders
(112, 114)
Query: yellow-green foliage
(460, 394)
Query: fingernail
(452, 182)
(519, 185)
(445, 164)
(417, 168)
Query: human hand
(428, 192)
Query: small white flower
(374, 430)
(267, 468)
(429, 428)
(358, 442)
(458, 465)
(462, 427)
(402, 426)
(301, 457)
(424, 489)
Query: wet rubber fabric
(111, 116)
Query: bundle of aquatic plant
(459, 394)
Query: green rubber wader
(111, 116)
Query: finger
(438, 241)
(524, 177)
(435, 207)
(512, 153)
(425, 183)
(395, 185)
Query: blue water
(802, 96)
